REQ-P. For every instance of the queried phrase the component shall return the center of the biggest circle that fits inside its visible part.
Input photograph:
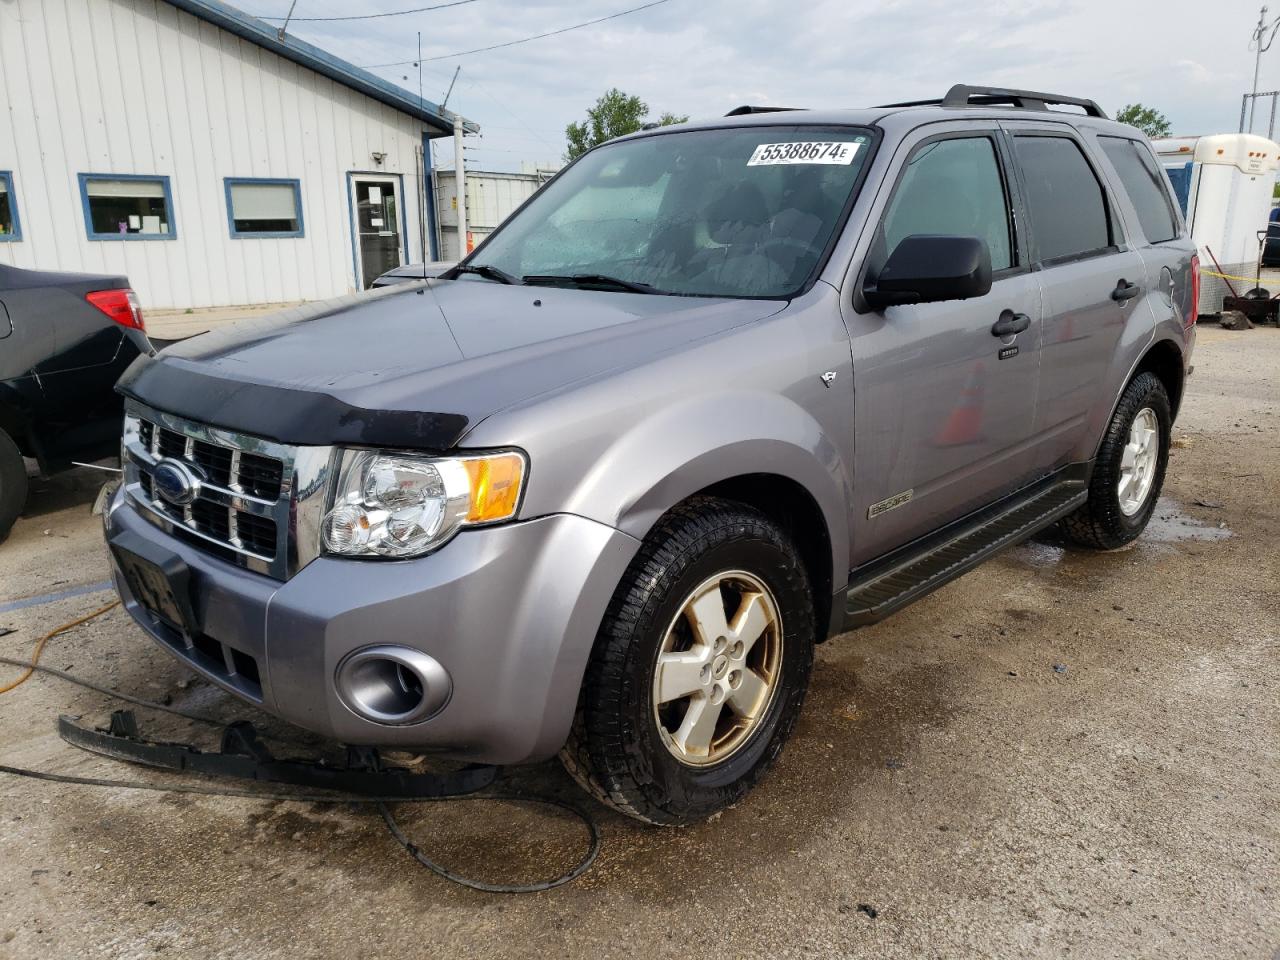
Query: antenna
(288, 16)
(449, 92)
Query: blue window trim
(229, 182)
(168, 206)
(16, 234)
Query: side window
(1142, 182)
(1065, 201)
(953, 187)
(263, 208)
(127, 207)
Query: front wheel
(699, 669)
(1129, 470)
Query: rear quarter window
(1142, 182)
(1068, 209)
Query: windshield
(741, 212)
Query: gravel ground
(1062, 754)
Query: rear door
(1156, 229)
(1090, 280)
(944, 409)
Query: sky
(704, 57)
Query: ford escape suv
(717, 392)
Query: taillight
(1193, 309)
(120, 305)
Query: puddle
(1169, 525)
(1040, 553)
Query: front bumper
(511, 612)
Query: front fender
(687, 446)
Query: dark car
(65, 338)
(1271, 249)
(414, 271)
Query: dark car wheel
(13, 484)
(1129, 470)
(699, 669)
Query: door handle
(1010, 323)
(1125, 291)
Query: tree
(1147, 119)
(615, 113)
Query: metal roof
(313, 58)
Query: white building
(182, 143)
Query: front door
(944, 409)
(376, 222)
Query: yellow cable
(1228, 276)
(35, 658)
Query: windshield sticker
(804, 151)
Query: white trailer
(490, 198)
(1224, 184)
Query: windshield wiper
(486, 271)
(588, 281)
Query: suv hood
(417, 364)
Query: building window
(127, 207)
(264, 208)
(10, 229)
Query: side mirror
(927, 269)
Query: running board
(886, 586)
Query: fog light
(393, 685)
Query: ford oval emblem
(175, 482)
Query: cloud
(703, 57)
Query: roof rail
(745, 109)
(963, 95)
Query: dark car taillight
(1193, 309)
(120, 305)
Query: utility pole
(1257, 61)
(460, 185)
(1263, 35)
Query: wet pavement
(1062, 754)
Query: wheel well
(1164, 360)
(791, 506)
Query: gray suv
(716, 393)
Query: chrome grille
(246, 509)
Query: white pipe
(460, 186)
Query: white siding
(138, 87)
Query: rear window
(1141, 181)
(1067, 206)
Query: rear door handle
(1010, 323)
(1125, 291)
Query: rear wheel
(13, 484)
(1129, 470)
(699, 669)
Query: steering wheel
(800, 247)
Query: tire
(1108, 521)
(625, 749)
(13, 484)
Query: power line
(370, 16)
(512, 43)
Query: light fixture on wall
(379, 158)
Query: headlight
(400, 505)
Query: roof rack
(745, 109)
(963, 95)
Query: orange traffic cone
(964, 425)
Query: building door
(375, 216)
